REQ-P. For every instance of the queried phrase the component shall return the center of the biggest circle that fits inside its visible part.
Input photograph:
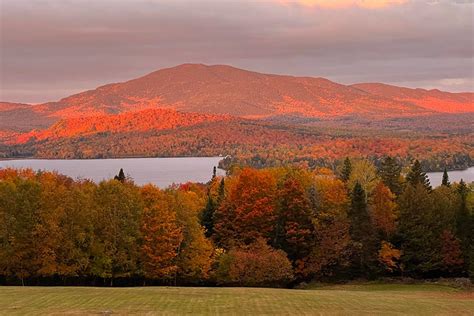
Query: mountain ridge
(226, 90)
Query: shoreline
(169, 157)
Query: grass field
(374, 299)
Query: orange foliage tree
(248, 210)
(257, 264)
(161, 235)
(383, 210)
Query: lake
(162, 171)
(454, 176)
(159, 171)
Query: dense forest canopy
(255, 227)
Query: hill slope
(136, 121)
(435, 100)
(219, 90)
(228, 90)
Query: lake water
(159, 171)
(162, 171)
(454, 176)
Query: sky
(50, 49)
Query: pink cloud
(340, 4)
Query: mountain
(19, 117)
(214, 91)
(435, 100)
(227, 90)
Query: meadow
(376, 299)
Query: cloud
(341, 4)
(52, 48)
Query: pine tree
(346, 169)
(207, 216)
(361, 231)
(390, 173)
(419, 242)
(445, 181)
(464, 224)
(214, 172)
(121, 176)
(221, 192)
(416, 176)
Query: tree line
(254, 227)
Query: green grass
(374, 299)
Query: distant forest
(437, 141)
(273, 227)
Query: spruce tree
(416, 176)
(445, 181)
(207, 216)
(419, 241)
(390, 173)
(214, 172)
(464, 224)
(221, 192)
(346, 170)
(121, 176)
(361, 231)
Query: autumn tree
(77, 231)
(117, 230)
(161, 235)
(19, 212)
(248, 210)
(256, 264)
(383, 210)
(365, 174)
(195, 251)
(452, 257)
(64, 226)
(329, 202)
(389, 256)
(294, 229)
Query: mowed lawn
(346, 299)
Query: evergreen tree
(464, 224)
(221, 192)
(419, 242)
(214, 172)
(121, 176)
(416, 176)
(445, 181)
(346, 169)
(207, 216)
(390, 173)
(361, 231)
